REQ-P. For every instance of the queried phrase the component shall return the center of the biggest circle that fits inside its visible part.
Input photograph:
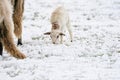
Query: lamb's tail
(8, 42)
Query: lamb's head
(54, 34)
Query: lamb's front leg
(61, 39)
(61, 36)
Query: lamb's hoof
(71, 40)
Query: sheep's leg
(17, 18)
(1, 48)
(1, 45)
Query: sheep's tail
(8, 42)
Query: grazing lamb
(60, 21)
(6, 30)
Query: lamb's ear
(47, 33)
(62, 34)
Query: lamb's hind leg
(17, 17)
(70, 31)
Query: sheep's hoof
(71, 40)
(19, 42)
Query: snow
(94, 53)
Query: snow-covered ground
(94, 53)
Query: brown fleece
(8, 43)
(6, 30)
(18, 9)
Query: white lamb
(60, 21)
